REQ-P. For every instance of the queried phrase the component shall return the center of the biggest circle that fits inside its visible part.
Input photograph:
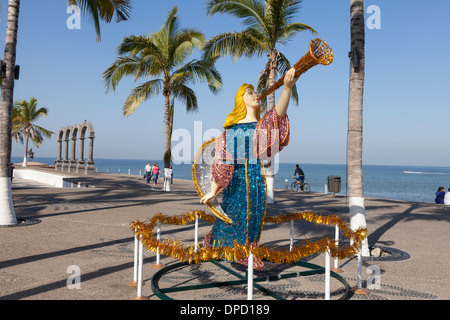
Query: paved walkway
(87, 230)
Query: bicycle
(295, 187)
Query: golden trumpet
(319, 53)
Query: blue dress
(244, 199)
(238, 172)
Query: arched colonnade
(73, 133)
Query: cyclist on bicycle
(301, 176)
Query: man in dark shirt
(301, 176)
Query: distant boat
(416, 172)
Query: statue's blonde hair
(240, 110)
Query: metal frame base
(315, 269)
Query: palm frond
(103, 10)
(128, 66)
(237, 45)
(186, 95)
(36, 138)
(172, 24)
(291, 30)
(198, 71)
(282, 11)
(44, 132)
(283, 66)
(133, 44)
(182, 46)
(251, 12)
(263, 85)
(140, 94)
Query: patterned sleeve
(271, 135)
(221, 173)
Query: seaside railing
(133, 172)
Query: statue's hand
(290, 79)
(207, 197)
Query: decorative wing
(201, 177)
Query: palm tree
(24, 115)
(98, 10)
(7, 213)
(355, 120)
(268, 23)
(162, 54)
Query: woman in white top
(447, 197)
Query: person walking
(148, 171)
(171, 174)
(155, 171)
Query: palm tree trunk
(355, 121)
(273, 67)
(25, 155)
(167, 133)
(7, 213)
(270, 170)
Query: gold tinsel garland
(181, 252)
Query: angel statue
(237, 168)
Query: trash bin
(334, 184)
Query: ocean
(408, 183)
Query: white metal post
(359, 270)
(158, 237)
(135, 263)
(158, 264)
(139, 283)
(336, 242)
(250, 277)
(359, 289)
(136, 248)
(196, 233)
(291, 234)
(141, 262)
(327, 274)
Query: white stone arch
(66, 139)
(59, 160)
(77, 132)
(73, 167)
(87, 127)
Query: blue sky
(406, 101)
